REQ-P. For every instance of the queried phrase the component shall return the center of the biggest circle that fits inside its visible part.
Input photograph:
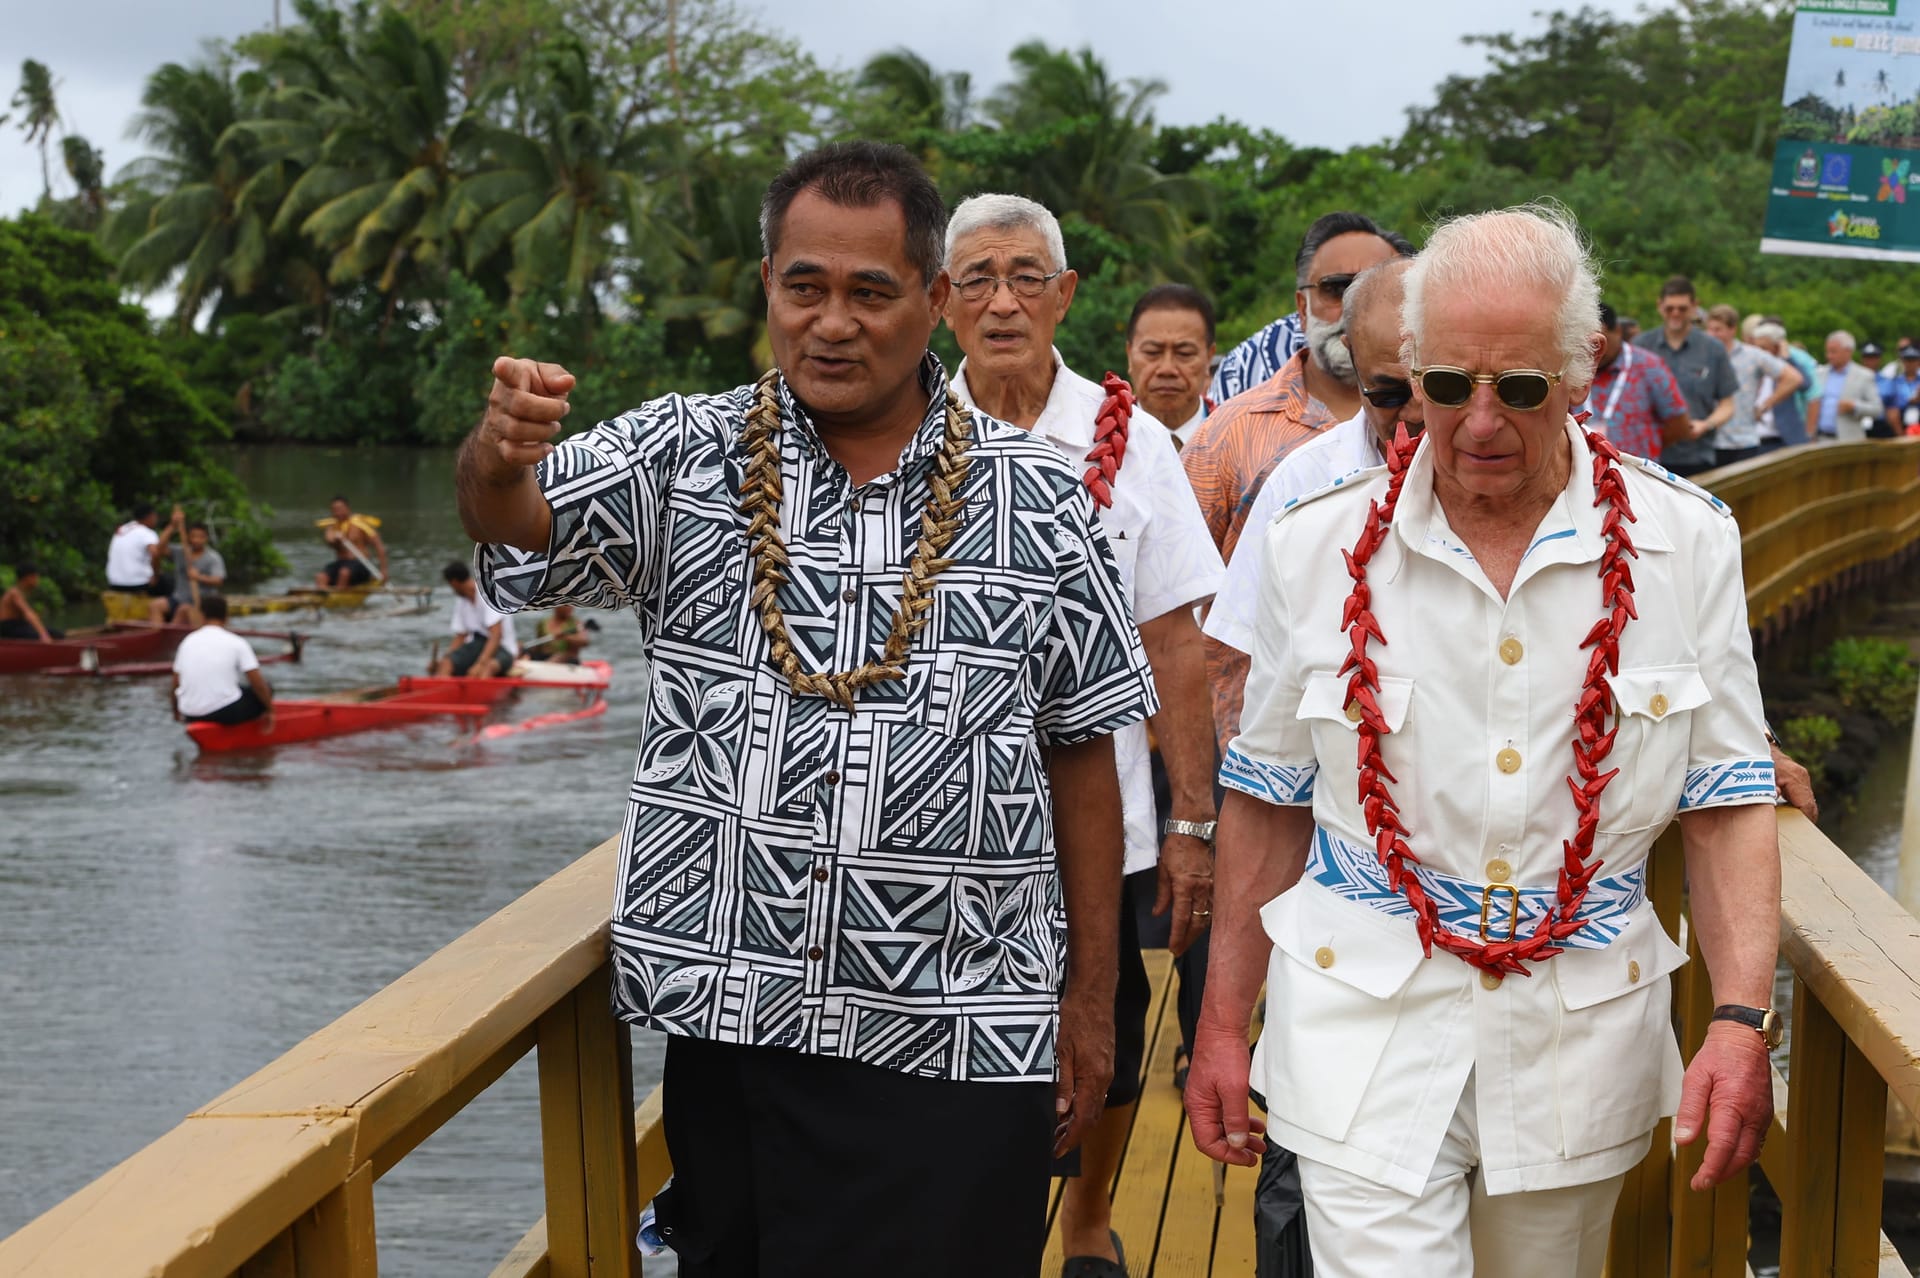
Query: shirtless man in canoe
(356, 543)
(18, 620)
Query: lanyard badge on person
(1619, 385)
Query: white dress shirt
(1573, 1064)
(1183, 433)
(1325, 459)
(1160, 543)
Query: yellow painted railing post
(336, 1239)
(1642, 1235)
(1709, 1228)
(1837, 1113)
(587, 1136)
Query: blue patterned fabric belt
(1477, 911)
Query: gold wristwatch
(1763, 1020)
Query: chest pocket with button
(1654, 706)
(1325, 705)
(988, 655)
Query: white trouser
(1454, 1229)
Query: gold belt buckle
(1513, 911)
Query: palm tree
(571, 191)
(365, 107)
(36, 98)
(199, 210)
(88, 169)
(916, 95)
(1082, 144)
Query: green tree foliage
(336, 204)
(93, 418)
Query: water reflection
(173, 922)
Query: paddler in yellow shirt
(353, 538)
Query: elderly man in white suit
(1486, 676)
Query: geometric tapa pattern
(877, 885)
(1356, 873)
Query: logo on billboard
(1893, 181)
(1806, 172)
(1842, 227)
(1836, 169)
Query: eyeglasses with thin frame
(1393, 394)
(978, 288)
(1333, 287)
(1521, 389)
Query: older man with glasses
(1486, 676)
(1011, 289)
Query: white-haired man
(1846, 396)
(1011, 289)
(1477, 1041)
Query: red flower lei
(1592, 740)
(1109, 439)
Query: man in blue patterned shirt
(873, 842)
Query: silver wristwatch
(1201, 830)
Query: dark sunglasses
(1394, 394)
(1333, 287)
(1521, 389)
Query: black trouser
(343, 574)
(1728, 456)
(21, 628)
(790, 1165)
(243, 709)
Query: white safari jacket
(1368, 1044)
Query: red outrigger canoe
(412, 700)
(99, 646)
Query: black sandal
(1182, 1058)
(1097, 1266)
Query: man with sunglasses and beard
(1373, 340)
(1238, 446)
(1463, 736)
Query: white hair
(1534, 250)
(1007, 213)
(1767, 331)
(1843, 337)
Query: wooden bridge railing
(1811, 519)
(274, 1178)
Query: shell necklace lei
(1593, 741)
(760, 496)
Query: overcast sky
(1325, 72)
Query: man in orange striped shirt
(1235, 449)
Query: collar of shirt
(1065, 419)
(1286, 392)
(1184, 431)
(925, 441)
(1569, 533)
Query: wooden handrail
(324, 1119)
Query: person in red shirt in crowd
(1634, 399)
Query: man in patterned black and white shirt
(873, 842)
(1011, 288)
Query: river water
(169, 924)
